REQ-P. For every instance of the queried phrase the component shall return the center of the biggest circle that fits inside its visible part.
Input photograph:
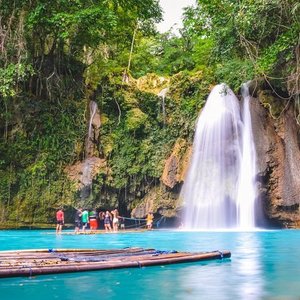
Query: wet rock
(176, 164)
(158, 200)
(82, 173)
(278, 160)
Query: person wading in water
(78, 222)
(115, 214)
(60, 219)
(107, 219)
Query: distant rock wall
(164, 199)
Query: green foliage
(59, 54)
(141, 138)
(280, 52)
(264, 32)
(10, 76)
(135, 119)
(35, 154)
(235, 72)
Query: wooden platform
(49, 261)
(98, 231)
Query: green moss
(135, 119)
(273, 104)
(135, 139)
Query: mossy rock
(184, 85)
(272, 103)
(152, 83)
(135, 119)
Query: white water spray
(246, 185)
(89, 161)
(162, 94)
(89, 145)
(215, 186)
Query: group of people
(84, 219)
(111, 220)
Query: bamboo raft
(48, 261)
(98, 231)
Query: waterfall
(216, 192)
(89, 162)
(162, 94)
(246, 185)
(89, 145)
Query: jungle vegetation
(57, 55)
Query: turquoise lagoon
(264, 265)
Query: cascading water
(89, 161)
(246, 186)
(89, 145)
(162, 94)
(215, 186)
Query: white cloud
(173, 10)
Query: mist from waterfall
(246, 186)
(218, 192)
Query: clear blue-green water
(264, 265)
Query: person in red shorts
(60, 219)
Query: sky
(173, 10)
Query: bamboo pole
(114, 263)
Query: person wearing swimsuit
(115, 213)
(60, 219)
(107, 219)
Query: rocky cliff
(277, 140)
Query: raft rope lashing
(160, 252)
(105, 257)
(30, 269)
(139, 264)
(221, 254)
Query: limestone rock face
(278, 160)
(164, 199)
(82, 173)
(176, 165)
(169, 177)
(93, 130)
(152, 83)
(158, 200)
